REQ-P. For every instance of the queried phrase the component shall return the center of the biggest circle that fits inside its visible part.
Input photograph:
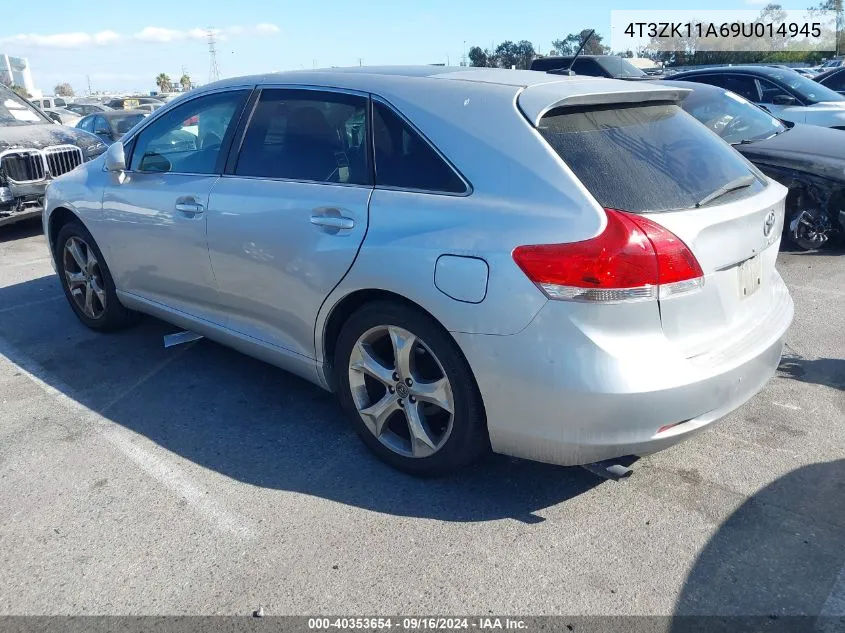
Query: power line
(213, 68)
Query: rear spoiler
(535, 101)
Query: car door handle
(189, 209)
(339, 223)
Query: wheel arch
(60, 216)
(341, 311)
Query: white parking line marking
(833, 607)
(26, 262)
(30, 303)
(791, 407)
(127, 442)
(176, 481)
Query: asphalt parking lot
(194, 480)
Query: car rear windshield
(645, 158)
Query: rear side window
(644, 158)
(404, 160)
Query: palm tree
(163, 82)
(185, 82)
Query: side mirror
(783, 100)
(115, 158)
(55, 116)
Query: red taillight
(632, 259)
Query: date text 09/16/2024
(416, 623)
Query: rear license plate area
(750, 274)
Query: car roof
(768, 71)
(361, 77)
(536, 91)
(113, 114)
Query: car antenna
(568, 70)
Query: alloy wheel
(84, 278)
(401, 391)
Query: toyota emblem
(769, 223)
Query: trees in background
(508, 54)
(63, 90)
(163, 82)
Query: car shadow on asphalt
(820, 371)
(777, 557)
(20, 230)
(253, 422)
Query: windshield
(807, 89)
(16, 111)
(619, 67)
(730, 116)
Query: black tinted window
(743, 86)
(405, 160)
(836, 81)
(307, 135)
(588, 67)
(643, 158)
(188, 139)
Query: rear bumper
(561, 392)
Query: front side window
(189, 138)
(772, 93)
(87, 124)
(404, 160)
(307, 135)
(59, 103)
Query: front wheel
(87, 282)
(409, 390)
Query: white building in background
(15, 70)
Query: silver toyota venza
(563, 269)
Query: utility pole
(213, 68)
(464, 56)
(360, 61)
(88, 79)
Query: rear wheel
(87, 282)
(409, 390)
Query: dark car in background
(84, 109)
(132, 103)
(110, 126)
(809, 160)
(33, 151)
(833, 79)
(611, 66)
(785, 93)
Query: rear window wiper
(733, 185)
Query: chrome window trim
(294, 180)
(468, 188)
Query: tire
(445, 441)
(107, 313)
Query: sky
(123, 46)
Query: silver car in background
(563, 269)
